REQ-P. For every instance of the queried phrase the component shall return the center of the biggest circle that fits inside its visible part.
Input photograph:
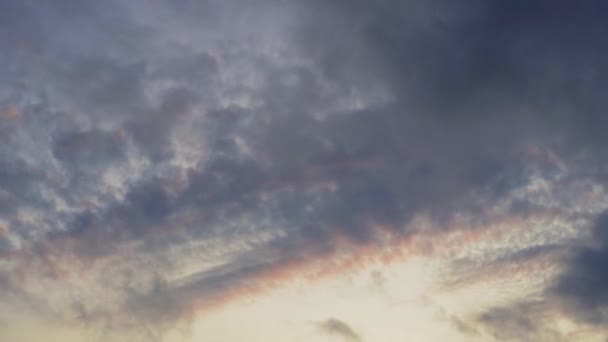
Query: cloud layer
(161, 160)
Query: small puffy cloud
(333, 326)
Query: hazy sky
(314, 170)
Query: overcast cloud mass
(282, 170)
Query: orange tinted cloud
(10, 113)
(348, 256)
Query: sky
(320, 170)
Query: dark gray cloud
(337, 327)
(519, 322)
(582, 288)
(326, 118)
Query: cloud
(201, 160)
(574, 294)
(337, 327)
(581, 288)
(10, 113)
(520, 322)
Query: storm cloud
(165, 158)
